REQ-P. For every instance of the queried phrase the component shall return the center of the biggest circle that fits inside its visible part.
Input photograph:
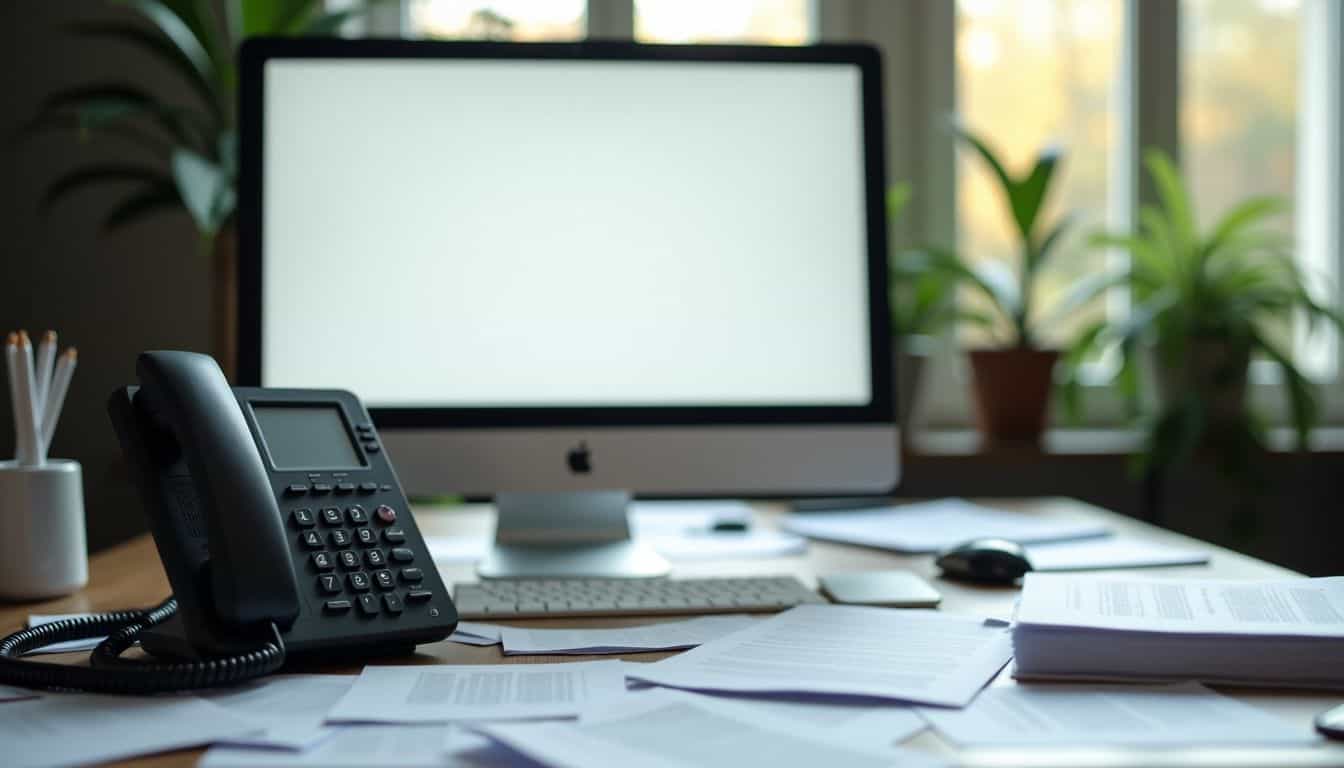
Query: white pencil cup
(42, 549)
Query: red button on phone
(386, 513)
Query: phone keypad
(351, 544)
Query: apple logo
(579, 459)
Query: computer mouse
(992, 561)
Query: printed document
(915, 656)
(931, 526)
(349, 746)
(1296, 607)
(290, 708)
(1110, 552)
(671, 635)
(473, 633)
(663, 730)
(1128, 715)
(444, 693)
(80, 728)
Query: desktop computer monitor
(561, 274)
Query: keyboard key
(349, 560)
(402, 555)
(374, 557)
(337, 606)
(359, 581)
(322, 561)
(384, 579)
(412, 575)
(392, 603)
(339, 538)
(394, 535)
(331, 516)
(311, 539)
(357, 514)
(366, 537)
(368, 605)
(328, 583)
(540, 598)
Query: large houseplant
(1012, 382)
(1204, 304)
(180, 154)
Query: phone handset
(251, 579)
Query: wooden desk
(130, 575)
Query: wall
(111, 295)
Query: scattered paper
(1113, 715)
(1110, 552)
(290, 708)
(474, 633)
(444, 693)
(849, 722)
(78, 729)
(1297, 607)
(662, 730)
(67, 646)
(915, 656)
(932, 526)
(672, 635)
(349, 746)
(16, 694)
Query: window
(778, 22)
(1031, 74)
(522, 20)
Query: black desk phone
(280, 524)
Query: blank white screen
(459, 233)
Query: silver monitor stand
(583, 535)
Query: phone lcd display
(306, 436)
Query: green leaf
(99, 174)
(155, 198)
(157, 46)
(1027, 196)
(1236, 221)
(98, 104)
(987, 155)
(328, 24)
(187, 40)
(1175, 201)
(64, 121)
(898, 196)
(1083, 293)
(205, 188)
(1041, 253)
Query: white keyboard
(628, 597)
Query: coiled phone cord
(110, 673)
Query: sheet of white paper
(474, 633)
(915, 656)
(931, 526)
(349, 746)
(670, 635)
(444, 693)
(1128, 715)
(291, 708)
(68, 646)
(1298, 607)
(16, 694)
(78, 729)
(1110, 552)
(849, 722)
(662, 730)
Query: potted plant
(1011, 383)
(1203, 306)
(186, 154)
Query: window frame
(918, 43)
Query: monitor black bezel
(254, 55)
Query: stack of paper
(932, 526)
(1115, 715)
(1283, 633)
(665, 636)
(1110, 552)
(916, 656)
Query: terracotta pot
(1012, 391)
(224, 300)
